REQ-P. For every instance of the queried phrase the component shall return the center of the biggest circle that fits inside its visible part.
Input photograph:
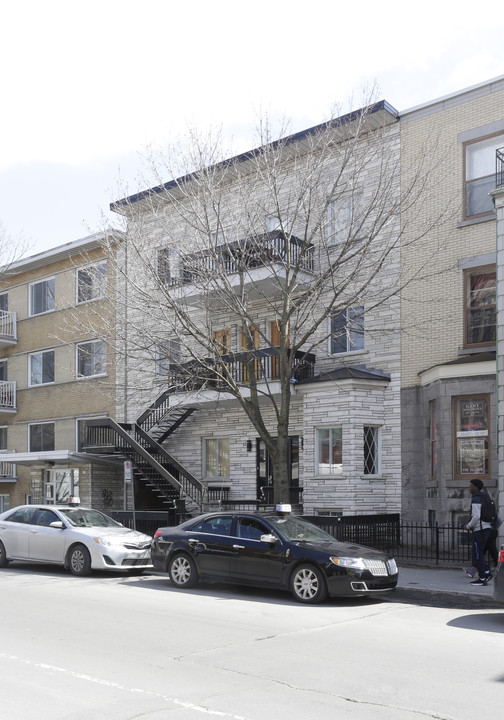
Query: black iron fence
(410, 543)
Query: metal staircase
(140, 442)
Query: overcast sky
(87, 87)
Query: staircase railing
(106, 436)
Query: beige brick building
(448, 313)
(56, 372)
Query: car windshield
(296, 529)
(79, 517)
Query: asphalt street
(109, 647)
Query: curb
(443, 598)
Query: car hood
(344, 549)
(120, 534)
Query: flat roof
(380, 111)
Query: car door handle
(238, 547)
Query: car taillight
(157, 534)
(501, 556)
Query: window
(347, 331)
(4, 302)
(3, 370)
(371, 450)
(3, 437)
(59, 485)
(91, 282)
(91, 359)
(41, 437)
(472, 436)
(433, 432)
(24, 516)
(166, 266)
(329, 451)
(217, 457)
(4, 503)
(41, 367)
(167, 353)
(479, 165)
(480, 299)
(251, 529)
(219, 525)
(46, 517)
(343, 217)
(273, 223)
(42, 297)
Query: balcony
(8, 396)
(499, 168)
(260, 263)
(190, 377)
(8, 472)
(8, 328)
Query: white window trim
(43, 422)
(330, 426)
(214, 478)
(32, 355)
(346, 353)
(96, 264)
(32, 285)
(86, 377)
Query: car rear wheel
(3, 556)
(79, 560)
(182, 571)
(308, 584)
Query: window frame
(466, 182)
(97, 273)
(167, 353)
(51, 296)
(342, 212)
(377, 443)
(79, 346)
(359, 316)
(33, 425)
(471, 434)
(221, 454)
(468, 274)
(331, 444)
(42, 354)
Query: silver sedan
(80, 539)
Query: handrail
(188, 484)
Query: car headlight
(103, 541)
(349, 562)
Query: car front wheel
(182, 571)
(3, 556)
(79, 560)
(308, 584)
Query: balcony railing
(266, 366)
(8, 329)
(262, 251)
(7, 395)
(499, 168)
(8, 472)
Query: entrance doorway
(264, 474)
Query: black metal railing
(416, 543)
(266, 249)
(409, 543)
(499, 168)
(265, 365)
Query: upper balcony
(8, 396)
(261, 264)
(189, 378)
(8, 328)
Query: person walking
(481, 533)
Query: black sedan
(271, 551)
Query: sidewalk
(442, 586)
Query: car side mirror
(58, 524)
(269, 538)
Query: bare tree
(231, 271)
